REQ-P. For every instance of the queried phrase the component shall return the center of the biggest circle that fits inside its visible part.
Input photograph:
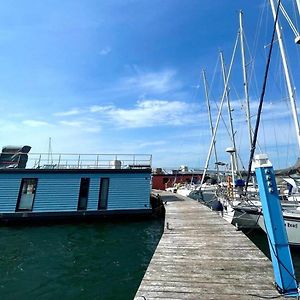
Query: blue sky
(124, 76)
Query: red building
(162, 181)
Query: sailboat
(228, 193)
(244, 210)
(290, 209)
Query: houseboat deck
(201, 256)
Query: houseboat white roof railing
(78, 161)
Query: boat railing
(74, 161)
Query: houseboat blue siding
(126, 191)
(59, 191)
(9, 191)
(56, 195)
(134, 193)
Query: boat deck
(201, 256)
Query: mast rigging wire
(261, 99)
(219, 115)
(288, 19)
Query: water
(259, 238)
(76, 261)
(83, 261)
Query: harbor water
(83, 261)
(76, 261)
(259, 238)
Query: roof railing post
(78, 161)
(59, 157)
(39, 161)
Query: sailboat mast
(287, 75)
(235, 161)
(210, 119)
(245, 78)
(298, 5)
(218, 118)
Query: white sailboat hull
(292, 225)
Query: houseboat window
(103, 194)
(27, 194)
(83, 193)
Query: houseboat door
(26, 194)
(83, 193)
(103, 193)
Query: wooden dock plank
(201, 256)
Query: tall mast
(235, 161)
(298, 5)
(210, 120)
(287, 74)
(245, 78)
(218, 118)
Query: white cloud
(71, 112)
(276, 110)
(35, 123)
(150, 113)
(93, 129)
(98, 108)
(105, 51)
(189, 123)
(151, 144)
(71, 123)
(156, 82)
(84, 125)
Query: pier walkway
(201, 256)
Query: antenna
(50, 159)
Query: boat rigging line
(290, 22)
(211, 96)
(262, 98)
(210, 121)
(287, 74)
(219, 114)
(245, 78)
(234, 166)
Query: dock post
(284, 273)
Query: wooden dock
(201, 256)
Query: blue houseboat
(43, 186)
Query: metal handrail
(78, 161)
